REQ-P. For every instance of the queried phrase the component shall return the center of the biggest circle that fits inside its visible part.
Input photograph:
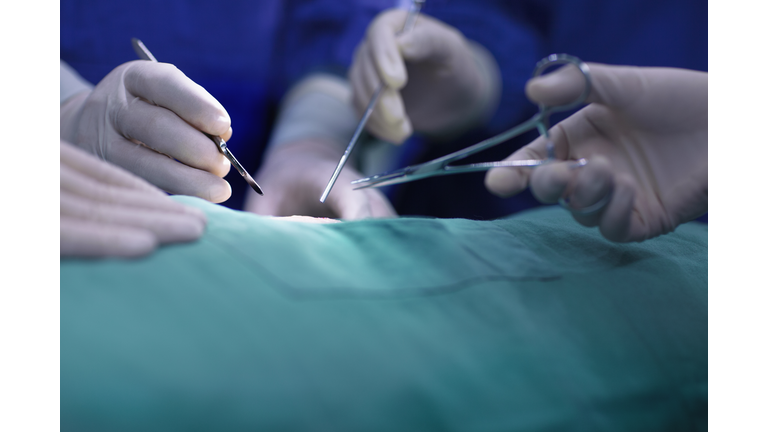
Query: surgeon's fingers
(369, 77)
(344, 205)
(364, 79)
(167, 227)
(590, 185)
(388, 121)
(593, 185)
(390, 109)
(357, 77)
(103, 172)
(87, 239)
(80, 184)
(620, 222)
(168, 174)
(560, 87)
(384, 48)
(344, 202)
(614, 86)
(393, 117)
(226, 135)
(164, 85)
(162, 130)
(549, 182)
(506, 182)
(380, 205)
(360, 77)
(350, 204)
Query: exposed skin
(147, 118)
(644, 133)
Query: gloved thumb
(430, 41)
(611, 85)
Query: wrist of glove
(70, 82)
(644, 134)
(318, 107)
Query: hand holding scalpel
(144, 54)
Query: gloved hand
(156, 105)
(106, 211)
(295, 174)
(447, 85)
(644, 135)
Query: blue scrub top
(247, 54)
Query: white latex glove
(295, 174)
(106, 211)
(645, 137)
(448, 83)
(154, 104)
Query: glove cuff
(318, 107)
(70, 82)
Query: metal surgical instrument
(540, 121)
(144, 54)
(410, 21)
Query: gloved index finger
(506, 181)
(102, 171)
(384, 48)
(164, 85)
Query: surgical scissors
(540, 121)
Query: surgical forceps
(410, 21)
(540, 121)
(143, 52)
